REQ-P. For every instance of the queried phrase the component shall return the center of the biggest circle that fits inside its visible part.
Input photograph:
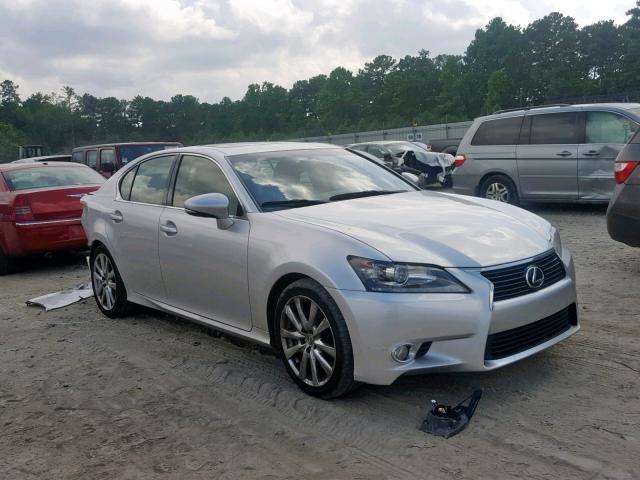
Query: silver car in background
(549, 153)
(347, 270)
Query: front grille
(510, 282)
(516, 340)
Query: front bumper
(457, 325)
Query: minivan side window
(197, 176)
(107, 157)
(607, 127)
(78, 157)
(554, 129)
(92, 158)
(151, 180)
(503, 131)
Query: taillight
(22, 209)
(622, 170)
(460, 159)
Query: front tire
(499, 188)
(108, 287)
(5, 264)
(313, 340)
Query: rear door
(606, 133)
(135, 225)
(548, 156)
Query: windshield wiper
(293, 203)
(364, 193)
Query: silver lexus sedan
(350, 272)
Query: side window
(108, 159)
(503, 131)
(78, 157)
(197, 176)
(126, 183)
(554, 128)
(150, 183)
(92, 158)
(606, 127)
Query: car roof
(5, 167)
(229, 149)
(621, 107)
(123, 144)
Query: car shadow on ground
(49, 263)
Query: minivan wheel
(314, 342)
(499, 188)
(108, 288)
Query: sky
(215, 48)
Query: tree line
(504, 66)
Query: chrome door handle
(564, 153)
(116, 216)
(591, 153)
(169, 228)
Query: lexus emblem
(534, 276)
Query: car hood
(435, 228)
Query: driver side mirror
(214, 205)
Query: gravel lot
(151, 396)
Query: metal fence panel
(423, 133)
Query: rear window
(78, 157)
(46, 177)
(503, 131)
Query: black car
(623, 214)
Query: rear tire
(108, 287)
(448, 182)
(500, 188)
(313, 340)
(5, 264)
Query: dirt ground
(151, 396)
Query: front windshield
(296, 178)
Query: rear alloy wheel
(314, 341)
(500, 189)
(108, 288)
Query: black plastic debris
(447, 421)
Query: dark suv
(623, 214)
(110, 157)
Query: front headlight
(379, 276)
(557, 242)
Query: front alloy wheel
(313, 340)
(307, 339)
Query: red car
(40, 208)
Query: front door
(548, 156)
(205, 267)
(606, 133)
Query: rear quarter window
(502, 131)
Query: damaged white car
(350, 272)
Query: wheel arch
(272, 300)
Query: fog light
(403, 353)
